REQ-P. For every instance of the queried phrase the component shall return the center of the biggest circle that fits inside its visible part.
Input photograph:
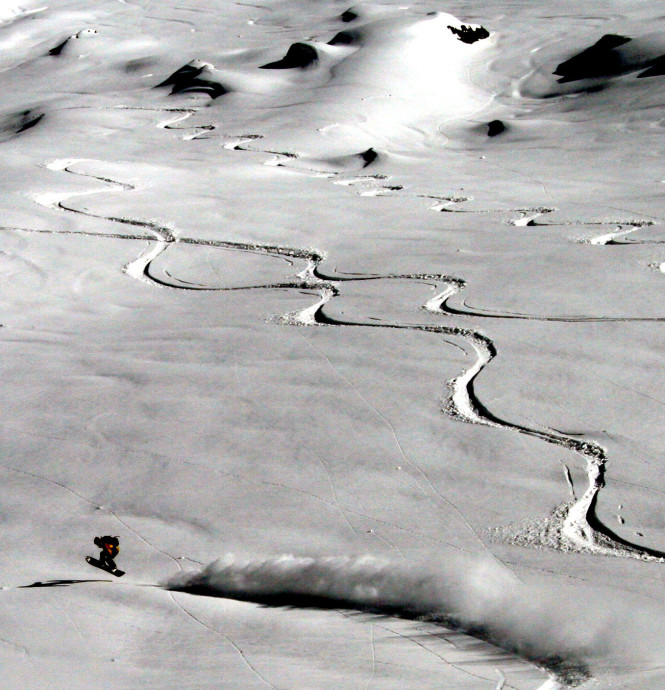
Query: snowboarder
(110, 547)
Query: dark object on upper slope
(57, 50)
(28, 119)
(181, 76)
(299, 55)
(470, 34)
(600, 60)
(16, 123)
(344, 38)
(369, 156)
(187, 79)
(348, 16)
(495, 128)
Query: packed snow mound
(613, 55)
(195, 77)
(299, 56)
(390, 79)
(419, 62)
(61, 47)
(612, 60)
(472, 593)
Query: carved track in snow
(159, 236)
(575, 526)
(440, 304)
(179, 115)
(162, 235)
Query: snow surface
(348, 321)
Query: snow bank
(474, 594)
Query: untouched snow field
(349, 322)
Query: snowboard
(98, 564)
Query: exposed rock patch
(299, 55)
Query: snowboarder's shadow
(59, 583)
(566, 666)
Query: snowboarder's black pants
(106, 560)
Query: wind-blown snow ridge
(468, 593)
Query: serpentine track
(572, 526)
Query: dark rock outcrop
(470, 34)
(495, 127)
(599, 60)
(19, 122)
(194, 78)
(344, 38)
(299, 55)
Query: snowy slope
(348, 322)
